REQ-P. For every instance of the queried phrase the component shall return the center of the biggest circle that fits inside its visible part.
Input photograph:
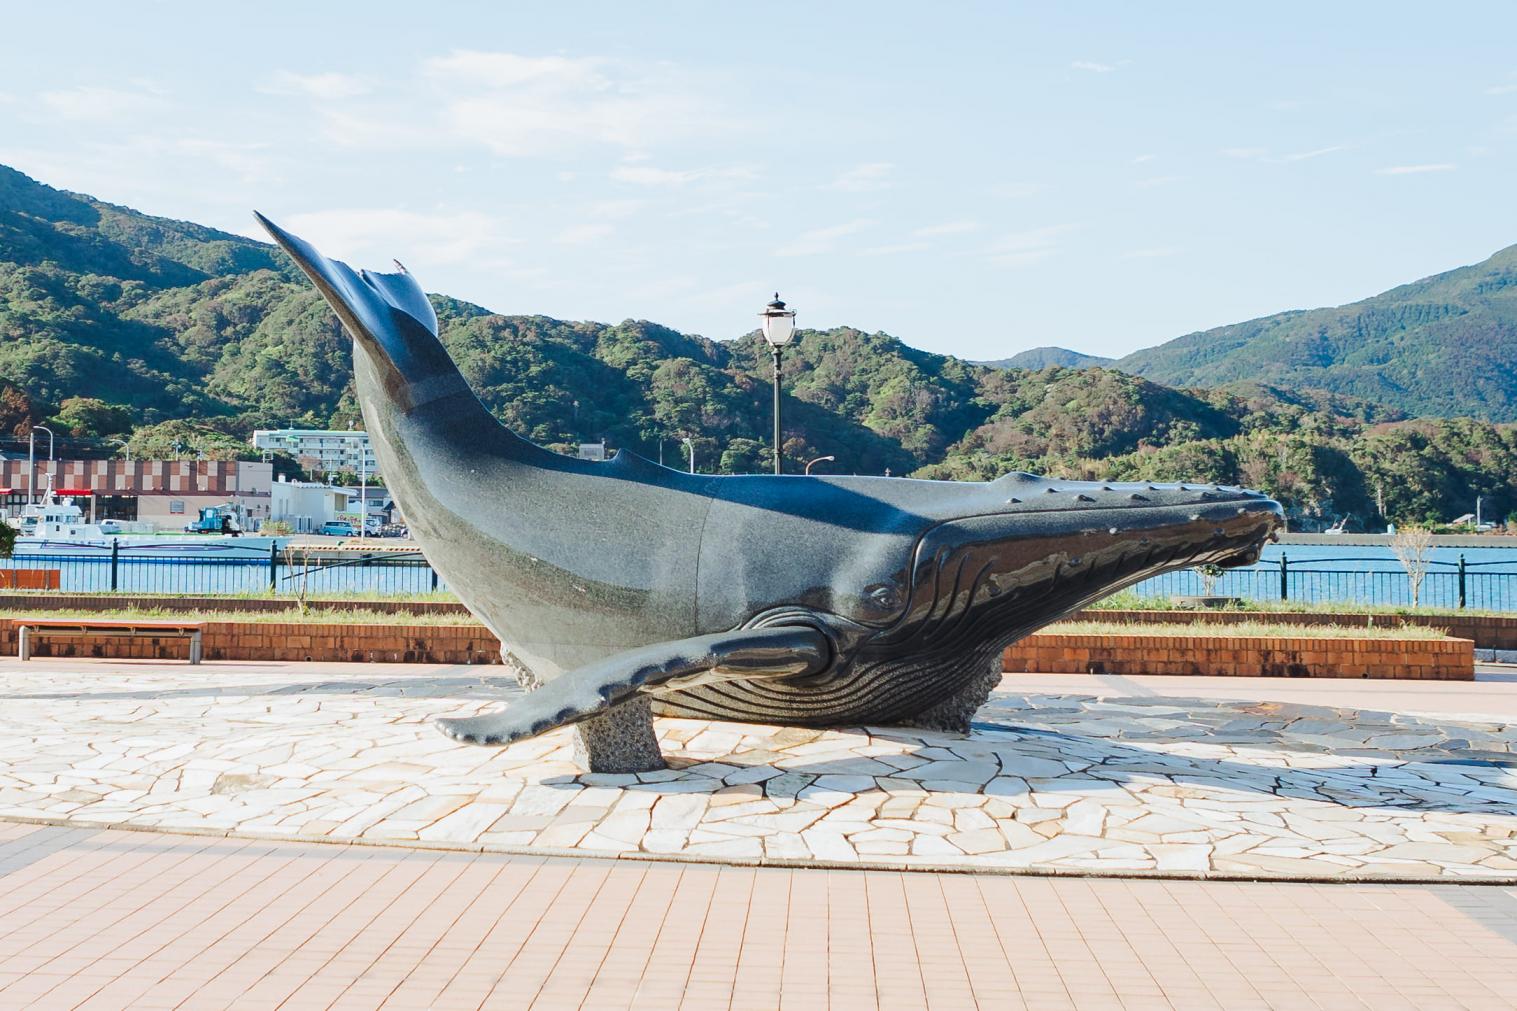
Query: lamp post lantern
(779, 331)
(817, 460)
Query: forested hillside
(175, 338)
(1440, 346)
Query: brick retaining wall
(1244, 656)
(1252, 656)
(247, 640)
(1486, 631)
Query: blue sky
(973, 178)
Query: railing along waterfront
(235, 571)
(1484, 585)
(1446, 584)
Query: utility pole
(363, 490)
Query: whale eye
(882, 595)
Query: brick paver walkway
(112, 919)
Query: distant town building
(166, 493)
(377, 505)
(320, 450)
(592, 450)
(306, 505)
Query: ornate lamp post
(779, 331)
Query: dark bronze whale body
(797, 600)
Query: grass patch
(1128, 600)
(1246, 628)
(312, 616)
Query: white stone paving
(1064, 783)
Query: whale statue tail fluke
(388, 315)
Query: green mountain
(1442, 346)
(117, 327)
(1042, 358)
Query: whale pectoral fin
(782, 651)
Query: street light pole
(779, 331)
(817, 460)
(775, 353)
(691, 447)
(31, 460)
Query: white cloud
(1017, 249)
(948, 228)
(330, 86)
(376, 234)
(894, 248)
(1140, 159)
(525, 105)
(583, 235)
(647, 175)
(91, 103)
(1503, 89)
(1015, 191)
(615, 208)
(822, 240)
(1091, 66)
(864, 178)
(250, 162)
(1408, 170)
(1315, 153)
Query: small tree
(7, 539)
(1209, 573)
(1414, 547)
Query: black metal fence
(1455, 584)
(236, 570)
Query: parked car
(338, 528)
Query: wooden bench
(27, 629)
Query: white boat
(54, 527)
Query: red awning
(7, 491)
(73, 491)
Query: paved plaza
(1058, 777)
(104, 919)
(300, 837)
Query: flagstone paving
(1069, 782)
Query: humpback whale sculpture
(627, 589)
